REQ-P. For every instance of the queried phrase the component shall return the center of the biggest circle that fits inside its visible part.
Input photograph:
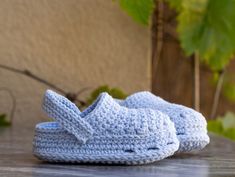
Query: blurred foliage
(114, 92)
(224, 126)
(204, 26)
(229, 90)
(208, 26)
(215, 77)
(175, 4)
(3, 121)
(139, 10)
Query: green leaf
(224, 126)
(215, 126)
(117, 93)
(208, 26)
(114, 92)
(139, 10)
(3, 121)
(229, 91)
(175, 4)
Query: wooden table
(16, 159)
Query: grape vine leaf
(208, 26)
(139, 10)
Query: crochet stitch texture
(103, 133)
(191, 126)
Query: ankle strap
(59, 108)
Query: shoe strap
(59, 108)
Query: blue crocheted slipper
(191, 126)
(103, 133)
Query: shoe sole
(131, 158)
(189, 143)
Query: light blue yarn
(103, 133)
(191, 126)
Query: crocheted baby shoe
(190, 125)
(105, 132)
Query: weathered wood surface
(16, 160)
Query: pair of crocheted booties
(116, 132)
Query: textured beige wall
(72, 43)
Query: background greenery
(114, 92)
(205, 28)
(223, 125)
